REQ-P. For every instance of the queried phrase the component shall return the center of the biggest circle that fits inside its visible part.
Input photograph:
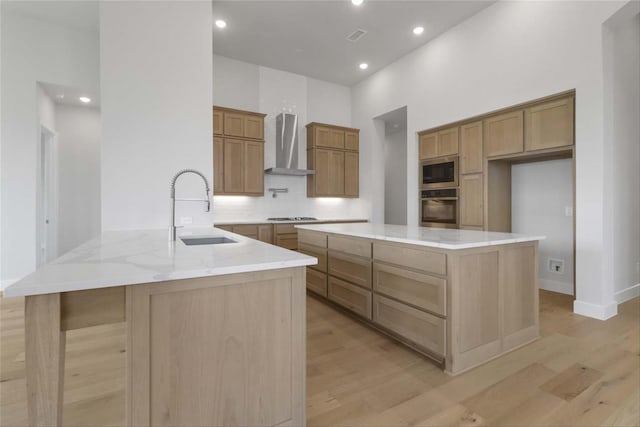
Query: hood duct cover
(287, 147)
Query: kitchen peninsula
(215, 332)
(460, 297)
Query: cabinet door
(321, 166)
(265, 233)
(351, 140)
(336, 173)
(447, 142)
(218, 122)
(247, 230)
(428, 146)
(233, 166)
(254, 167)
(317, 282)
(322, 137)
(471, 148)
(549, 125)
(218, 165)
(354, 269)
(471, 200)
(351, 174)
(336, 138)
(350, 296)
(253, 127)
(233, 124)
(503, 134)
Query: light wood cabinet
(247, 230)
(504, 134)
(439, 144)
(350, 245)
(355, 269)
(333, 155)
(549, 125)
(350, 296)
(238, 154)
(317, 282)
(471, 159)
(410, 256)
(472, 200)
(265, 233)
(319, 253)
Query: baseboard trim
(627, 294)
(556, 286)
(600, 312)
(5, 283)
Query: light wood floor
(582, 372)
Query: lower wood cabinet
(350, 296)
(287, 241)
(422, 329)
(314, 251)
(413, 257)
(355, 269)
(472, 200)
(317, 282)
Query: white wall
(395, 182)
(156, 87)
(540, 194)
(509, 53)
(269, 91)
(622, 47)
(32, 51)
(79, 132)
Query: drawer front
(431, 262)
(287, 241)
(350, 245)
(225, 227)
(312, 238)
(285, 228)
(416, 326)
(417, 289)
(317, 282)
(350, 296)
(354, 269)
(248, 230)
(314, 251)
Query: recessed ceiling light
(357, 2)
(418, 30)
(85, 99)
(364, 66)
(220, 23)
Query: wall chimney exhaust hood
(287, 147)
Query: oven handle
(440, 198)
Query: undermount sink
(206, 240)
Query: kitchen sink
(206, 240)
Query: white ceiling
(309, 37)
(80, 14)
(67, 95)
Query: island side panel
(227, 350)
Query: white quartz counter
(423, 236)
(267, 221)
(142, 256)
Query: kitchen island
(460, 297)
(215, 332)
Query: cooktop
(294, 218)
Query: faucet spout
(172, 196)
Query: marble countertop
(266, 221)
(142, 256)
(433, 237)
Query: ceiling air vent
(356, 35)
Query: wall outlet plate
(555, 265)
(186, 220)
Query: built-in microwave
(439, 208)
(439, 173)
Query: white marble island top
(413, 235)
(119, 258)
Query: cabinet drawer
(350, 296)
(286, 228)
(317, 282)
(225, 227)
(350, 245)
(248, 230)
(354, 269)
(287, 241)
(417, 289)
(312, 238)
(314, 251)
(422, 329)
(351, 140)
(412, 257)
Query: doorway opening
(395, 166)
(47, 248)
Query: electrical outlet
(186, 220)
(568, 211)
(555, 265)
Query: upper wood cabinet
(472, 200)
(549, 125)
(503, 134)
(471, 159)
(332, 151)
(439, 144)
(238, 153)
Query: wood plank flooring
(582, 372)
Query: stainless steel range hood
(287, 147)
